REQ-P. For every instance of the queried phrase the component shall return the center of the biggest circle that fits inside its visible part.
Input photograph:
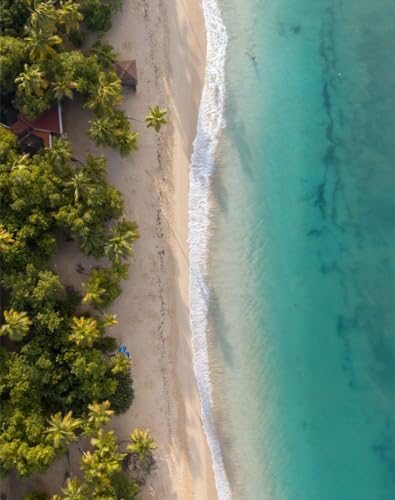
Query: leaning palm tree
(32, 81)
(156, 117)
(17, 324)
(61, 430)
(84, 331)
(6, 240)
(69, 15)
(142, 443)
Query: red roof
(48, 121)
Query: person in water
(251, 56)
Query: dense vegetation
(57, 378)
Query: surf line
(210, 123)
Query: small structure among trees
(127, 73)
(34, 134)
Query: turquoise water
(301, 263)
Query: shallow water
(301, 264)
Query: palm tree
(84, 331)
(69, 15)
(32, 81)
(101, 130)
(17, 324)
(91, 238)
(126, 142)
(120, 363)
(109, 320)
(79, 184)
(105, 54)
(41, 44)
(44, 17)
(156, 117)
(74, 490)
(64, 86)
(61, 430)
(21, 162)
(100, 465)
(60, 152)
(120, 244)
(142, 443)
(99, 415)
(6, 240)
(107, 95)
(94, 290)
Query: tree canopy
(59, 379)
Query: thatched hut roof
(127, 72)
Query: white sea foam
(210, 122)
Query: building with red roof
(35, 134)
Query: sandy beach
(167, 38)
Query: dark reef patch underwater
(302, 266)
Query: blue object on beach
(121, 349)
(124, 350)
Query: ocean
(292, 238)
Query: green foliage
(97, 14)
(22, 442)
(105, 54)
(124, 394)
(102, 476)
(61, 381)
(17, 324)
(84, 331)
(74, 490)
(123, 487)
(12, 57)
(69, 16)
(156, 118)
(62, 430)
(6, 240)
(120, 363)
(99, 415)
(119, 245)
(8, 145)
(102, 288)
(98, 466)
(141, 443)
(36, 496)
(13, 17)
(113, 130)
(108, 93)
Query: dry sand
(167, 38)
